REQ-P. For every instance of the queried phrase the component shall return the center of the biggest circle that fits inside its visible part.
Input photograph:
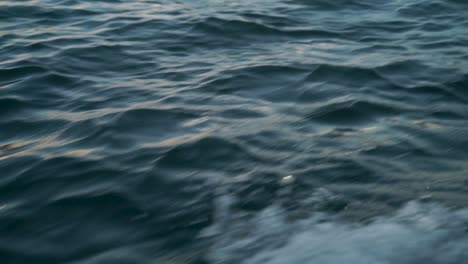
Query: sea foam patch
(418, 233)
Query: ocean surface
(234, 132)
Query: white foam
(287, 180)
(418, 233)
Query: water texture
(161, 131)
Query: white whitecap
(417, 233)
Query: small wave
(20, 72)
(195, 155)
(11, 105)
(240, 28)
(433, 8)
(351, 112)
(334, 5)
(351, 76)
(461, 86)
(239, 113)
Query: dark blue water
(212, 132)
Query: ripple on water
(163, 132)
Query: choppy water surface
(160, 131)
